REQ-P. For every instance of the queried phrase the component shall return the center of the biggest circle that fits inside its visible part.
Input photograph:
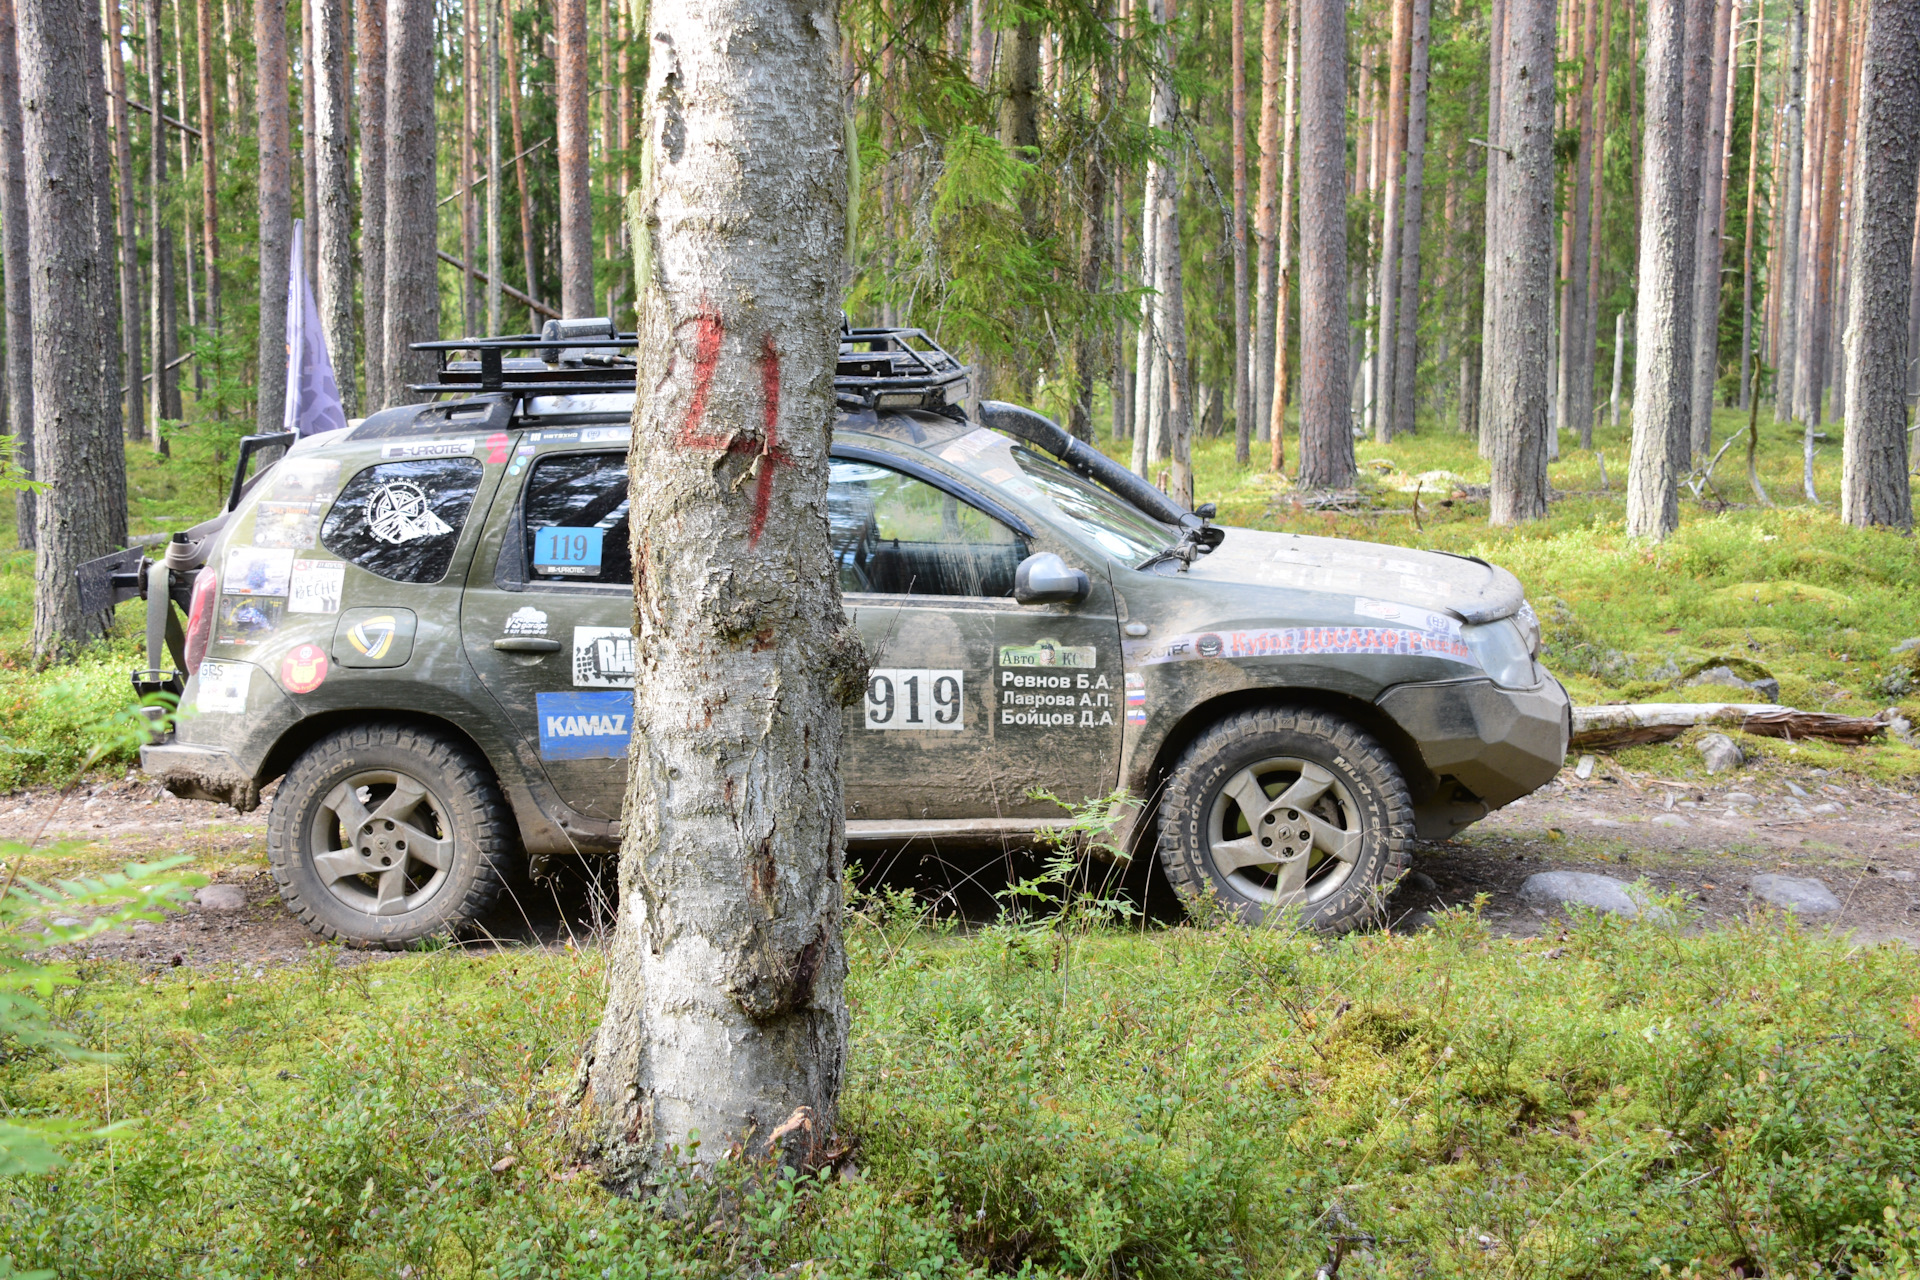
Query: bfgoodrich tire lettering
(382, 835)
(1280, 811)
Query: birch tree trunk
(1266, 269)
(725, 1012)
(1669, 220)
(1522, 398)
(1283, 252)
(576, 187)
(14, 263)
(275, 177)
(1326, 419)
(78, 453)
(1787, 181)
(373, 195)
(1708, 255)
(1874, 488)
(336, 193)
(1406, 360)
(1387, 343)
(1242, 339)
(412, 310)
(209, 169)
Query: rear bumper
(201, 773)
(1484, 745)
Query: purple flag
(313, 396)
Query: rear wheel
(383, 835)
(1279, 811)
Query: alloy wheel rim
(382, 843)
(1283, 831)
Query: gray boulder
(1806, 897)
(1719, 753)
(1766, 687)
(221, 897)
(1580, 888)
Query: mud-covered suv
(422, 623)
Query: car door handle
(526, 644)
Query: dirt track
(1702, 841)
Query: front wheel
(382, 835)
(1279, 811)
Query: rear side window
(576, 529)
(402, 520)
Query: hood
(1468, 588)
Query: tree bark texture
(576, 187)
(1267, 269)
(1587, 353)
(114, 512)
(335, 232)
(1819, 333)
(1386, 345)
(1874, 486)
(412, 311)
(14, 262)
(725, 1012)
(1169, 286)
(496, 179)
(1020, 106)
(1522, 402)
(209, 167)
(1096, 182)
(1283, 253)
(1677, 58)
(1753, 189)
(1574, 405)
(276, 208)
(132, 299)
(309, 152)
(1242, 339)
(1326, 417)
(520, 162)
(163, 396)
(1496, 159)
(1707, 262)
(1787, 184)
(373, 195)
(1406, 360)
(466, 162)
(77, 447)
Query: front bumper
(1485, 746)
(201, 773)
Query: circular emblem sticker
(1208, 646)
(303, 670)
(399, 513)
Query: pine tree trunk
(1326, 437)
(1753, 186)
(1093, 249)
(1496, 159)
(725, 1012)
(14, 264)
(1147, 340)
(1406, 361)
(1587, 353)
(496, 179)
(1678, 61)
(163, 394)
(1519, 417)
(1812, 150)
(276, 207)
(1173, 309)
(1708, 255)
(77, 448)
(309, 151)
(189, 239)
(373, 196)
(1265, 265)
(980, 45)
(1387, 344)
(1820, 331)
(1283, 252)
(610, 240)
(1875, 489)
(111, 515)
(466, 163)
(520, 163)
(1243, 426)
(1785, 275)
(1843, 253)
(576, 188)
(132, 300)
(209, 170)
(412, 311)
(334, 163)
(236, 119)
(1575, 406)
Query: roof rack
(878, 369)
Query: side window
(576, 511)
(894, 534)
(402, 520)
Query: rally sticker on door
(603, 657)
(584, 726)
(915, 698)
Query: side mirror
(1046, 579)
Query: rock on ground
(222, 897)
(1808, 897)
(1720, 753)
(1582, 888)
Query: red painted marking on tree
(709, 332)
(772, 456)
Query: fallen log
(1626, 724)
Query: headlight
(1503, 652)
(1529, 624)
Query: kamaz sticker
(584, 726)
(399, 512)
(525, 621)
(1407, 615)
(314, 586)
(257, 571)
(916, 698)
(1048, 653)
(1300, 641)
(223, 687)
(603, 657)
(458, 447)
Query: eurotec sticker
(584, 726)
(1301, 641)
(458, 447)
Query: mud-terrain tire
(1351, 800)
(431, 840)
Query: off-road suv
(421, 624)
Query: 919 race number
(915, 698)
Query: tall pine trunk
(1708, 255)
(725, 1014)
(520, 164)
(1753, 188)
(1820, 331)
(466, 164)
(1326, 419)
(1096, 182)
(163, 396)
(209, 169)
(1266, 270)
(412, 311)
(1575, 390)
(1519, 417)
(275, 175)
(1587, 353)
(576, 188)
(1874, 488)
(373, 195)
(77, 447)
(495, 179)
(132, 300)
(1406, 360)
(1387, 343)
(1169, 285)
(1678, 60)
(1785, 275)
(309, 150)
(14, 264)
(1490, 247)
(1242, 339)
(1283, 252)
(334, 164)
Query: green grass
(1185, 1102)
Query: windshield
(1110, 521)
